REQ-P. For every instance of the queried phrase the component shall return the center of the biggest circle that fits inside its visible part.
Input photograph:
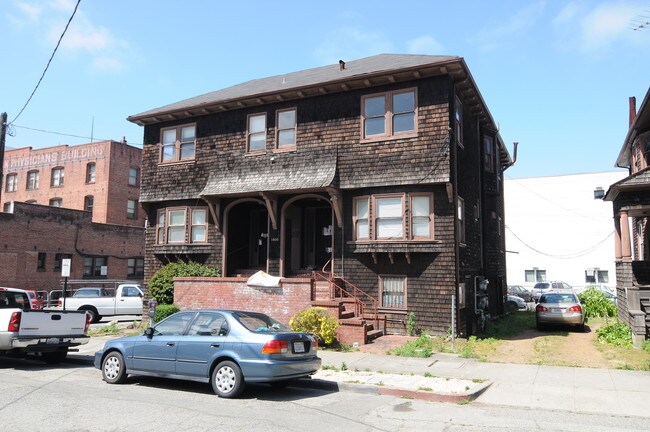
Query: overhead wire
(48, 62)
(67, 134)
(571, 255)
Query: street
(73, 397)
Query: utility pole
(3, 135)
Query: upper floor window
(56, 202)
(135, 267)
(256, 132)
(385, 217)
(90, 172)
(131, 209)
(33, 178)
(178, 143)
(89, 202)
(535, 275)
(596, 276)
(95, 266)
(12, 183)
(57, 177)
(134, 176)
(461, 220)
(458, 121)
(389, 114)
(488, 153)
(182, 225)
(286, 129)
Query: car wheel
(227, 380)
(55, 357)
(113, 368)
(94, 316)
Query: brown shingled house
(377, 181)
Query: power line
(571, 255)
(48, 62)
(67, 134)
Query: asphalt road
(73, 397)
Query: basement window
(393, 292)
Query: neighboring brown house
(631, 201)
(78, 202)
(378, 181)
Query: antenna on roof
(641, 21)
(341, 65)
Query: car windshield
(542, 285)
(260, 323)
(558, 298)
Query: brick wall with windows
(36, 238)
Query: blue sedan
(222, 347)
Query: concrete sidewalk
(586, 390)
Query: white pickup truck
(126, 300)
(49, 334)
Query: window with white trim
(90, 172)
(33, 178)
(12, 183)
(535, 275)
(57, 177)
(178, 143)
(389, 114)
(182, 225)
(286, 128)
(385, 217)
(256, 132)
(393, 292)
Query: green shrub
(596, 304)
(163, 311)
(161, 284)
(617, 334)
(411, 324)
(318, 321)
(421, 347)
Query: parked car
(520, 291)
(543, 287)
(521, 304)
(126, 300)
(88, 292)
(225, 348)
(560, 307)
(35, 299)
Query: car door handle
(215, 345)
(170, 343)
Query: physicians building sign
(34, 159)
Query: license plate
(556, 310)
(299, 347)
(51, 341)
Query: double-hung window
(286, 128)
(12, 183)
(488, 153)
(178, 143)
(135, 267)
(389, 218)
(32, 180)
(90, 172)
(131, 209)
(134, 176)
(256, 136)
(393, 217)
(57, 177)
(93, 266)
(361, 218)
(421, 218)
(182, 225)
(389, 114)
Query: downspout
(454, 154)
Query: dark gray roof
(638, 180)
(321, 75)
(251, 175)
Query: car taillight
(14, 322)
(314, 344)
(60, 303)
(88, 320)
(575, 308)
(275, 347)
(541, 308)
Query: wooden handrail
(357, 294)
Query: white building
(557, 230)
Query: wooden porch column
(617, 239)
(626, 250)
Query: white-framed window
(131, 209)
(535, 275)
(256, 132)
(182, 225)
(286, 128)
(392, 291)
(57, 177)
(90, 172)
(11, 183)
(361, 218)
(384, 217)
(458, 121)
(178, 143)
(389, 114)
(389, 217)
(134, 176)
(461, 220)
(33, 178)
(421, 216)
(135, 267)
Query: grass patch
(105, 330)
(510, 325)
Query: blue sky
(556, 75)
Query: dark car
(225, 348)
(519, 291)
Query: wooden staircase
(356, 311)
(644, 297)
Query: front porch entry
(246, 241)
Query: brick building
(379, 180)
(34, 238)
(101, 177)
(631, 202)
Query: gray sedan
(224, 348)
(560, 307)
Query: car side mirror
(140, 295)
(149, 332)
